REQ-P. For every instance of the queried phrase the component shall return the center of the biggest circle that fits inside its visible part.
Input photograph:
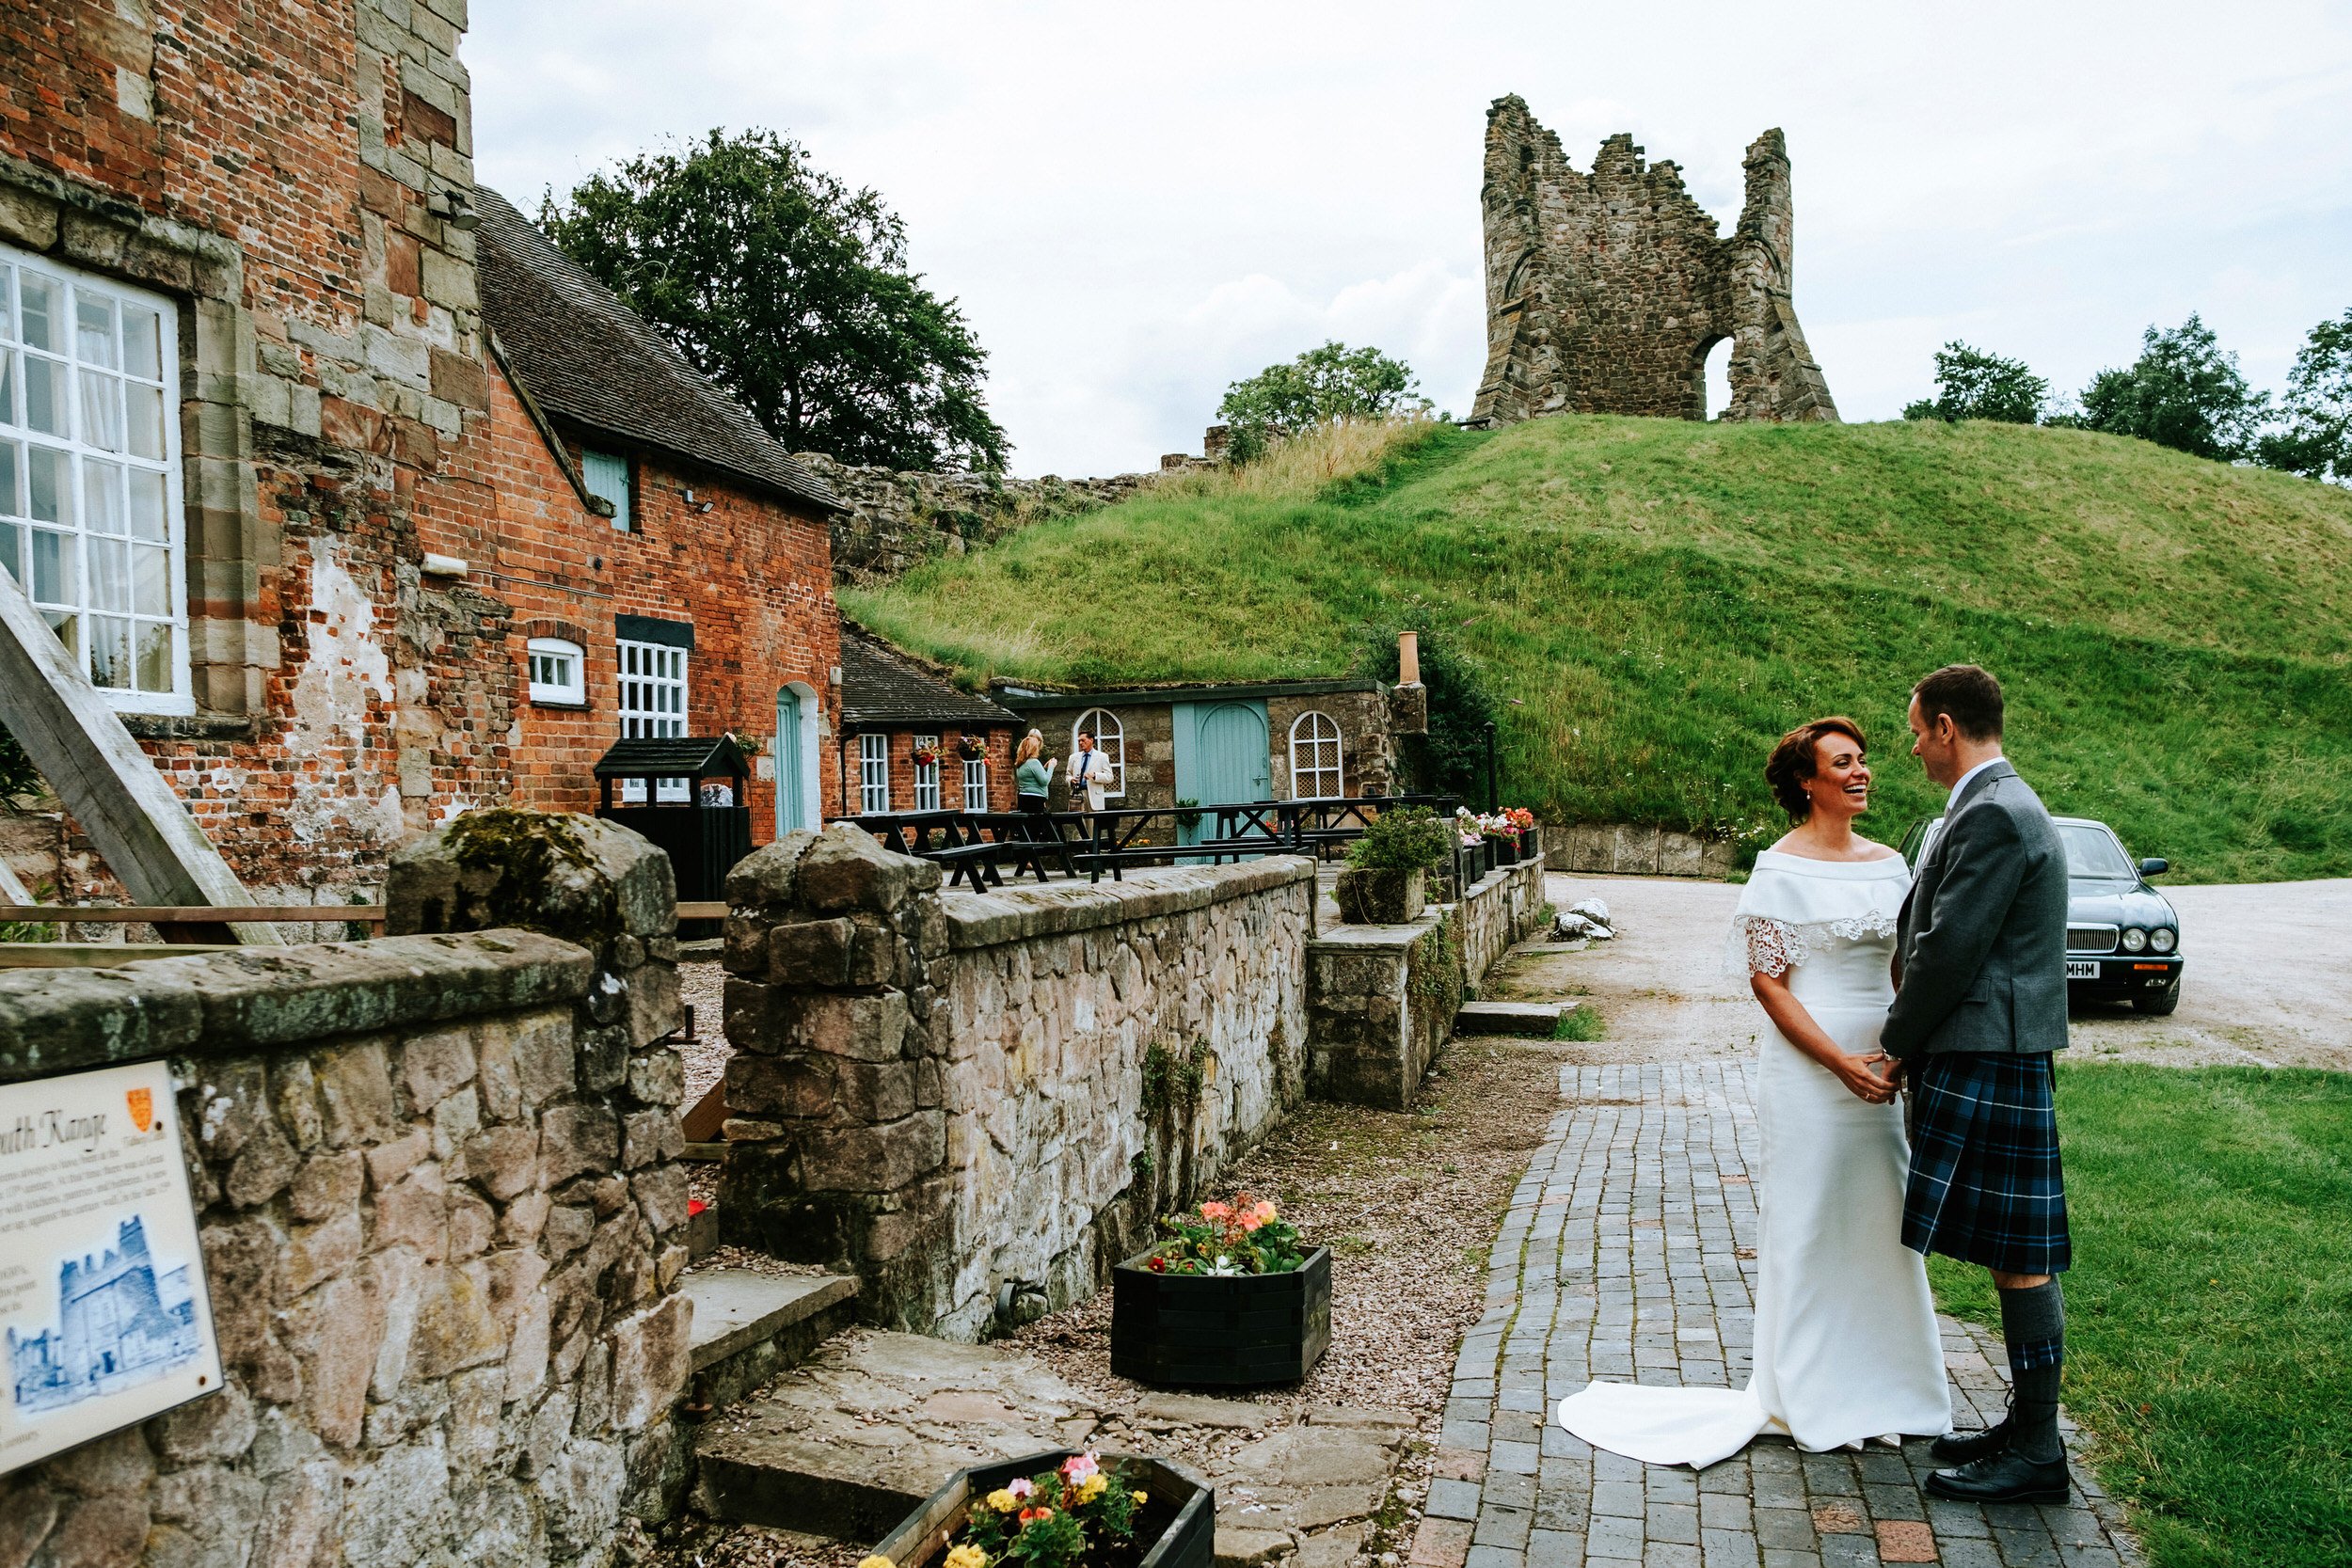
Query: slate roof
(691, 756)
(586, 357)
(881, 688)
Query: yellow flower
(1140, 1497)
(1093, 1487)
(1001, 1500)
(876, 1562)
(966, 1556)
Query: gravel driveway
(2269, 981)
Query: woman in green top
(1031, 778)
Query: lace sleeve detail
(1772, 947)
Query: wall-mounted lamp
(693, 504)
(455, 208)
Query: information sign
(101, 1282)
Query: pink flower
(1078, 1466)
(1216, 1210)
(1022, 1487)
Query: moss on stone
(516, 862)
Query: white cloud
(1137, 205)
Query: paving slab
(736, 1307)
(1536, 1019)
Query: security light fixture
(455, 208)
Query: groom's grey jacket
(1980, 944)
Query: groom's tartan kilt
(1985, 1184)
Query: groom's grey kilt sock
(2033, 1321)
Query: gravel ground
(703, 988)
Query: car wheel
(2159, 1003)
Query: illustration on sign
(103, 1306)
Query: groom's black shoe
(1967, 1447)
(2006, 1477)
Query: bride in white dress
(1846, 1342)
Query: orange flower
(1216, 1211)
(1031, 1515)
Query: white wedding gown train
(1846, 1342)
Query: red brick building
(300, 462)
(894, 712)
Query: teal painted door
(789, 767)
(1221, 759)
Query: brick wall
(1000, 780)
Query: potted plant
(1524, 820)
(1230, 1297)
(972, 748)
(1503, 837)
(1386, 880)
(1060, 1510)
(924, 756)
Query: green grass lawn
(1655, 600)
(2209, 1311)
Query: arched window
(1315, 758)
(1110, 739)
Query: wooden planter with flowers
(1060, 1509)
(1232, 1299)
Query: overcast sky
(1138, 204)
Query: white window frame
(974, 785)
(1110, 738)
(873, 773)
(93, 471)
(597, 476)
(571, 692)
(1335, 771)
(927, 794)
(653, 706)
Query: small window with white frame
(873, 773)
(926, 793)
(1315, 771)
(975, 784)
(90, 521)
(610, 477)
(559, 673)
(653, 708)
(1110, 738)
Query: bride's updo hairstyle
(1793, 762)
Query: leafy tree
(2317, 441)
(1461, 705)
(1971, 384)
(792, 290)
(2182, 392)
(1333, 382)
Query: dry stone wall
(977, 1102)
(441, 1221)
(1605, 291)
(1625, 849)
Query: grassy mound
(1655, 601)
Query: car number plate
(2082, 969)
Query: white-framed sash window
(873, 773)
(926, 779)
(1315, 772)
(1110, 739)
(653, 708)
(90, 518)
(975, 784)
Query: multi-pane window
(1110, 739)
(1315, 758)
(975, 784)
(653, 708)
(606, 476)
(927, 778)
(558, 671)
(873, 772)
(89, 480)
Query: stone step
(1536, 1019)
(749, 1326)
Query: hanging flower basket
(972, 748)
(1172, 1516)
(924, 756)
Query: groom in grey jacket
(1980, 1007)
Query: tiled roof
(585, 356)
(881, 687)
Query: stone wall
(1629, 849)
(897, 519)
(1605, 291)
(1381, 998)
(977, 1104)
(441, 1221)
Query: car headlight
(2135, 940)
(2165, 939)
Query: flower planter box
(1505, 851)
(1233, 1331)
(1177, 1528)
(1380, 897)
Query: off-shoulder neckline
(1803, 866)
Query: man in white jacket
(1090, 775)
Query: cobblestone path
(1629, 1253)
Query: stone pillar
(611, 1158)
(838, 1149)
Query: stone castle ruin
(1606, 291)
